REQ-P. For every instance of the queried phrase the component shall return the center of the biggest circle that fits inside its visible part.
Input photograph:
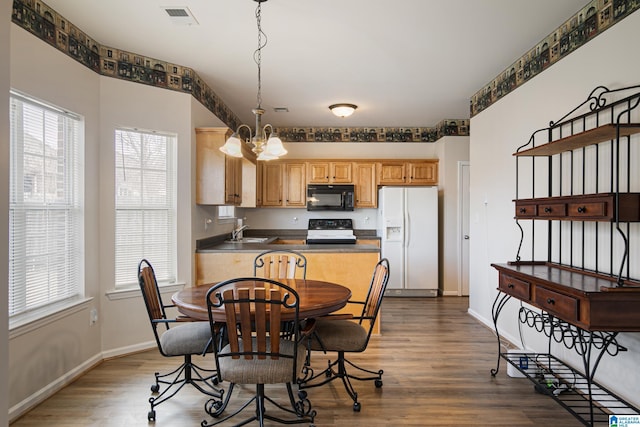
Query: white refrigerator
(408, 230)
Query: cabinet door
(296, 185)
(391, 173)
(272, 184)
(211, 166)
(233, 181)
(424, 173)
(365, 185)
(341, 172)
(318, 172)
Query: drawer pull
(547, 210)
(523, 210)
(551, 301)
(510, 286)
(582, 209)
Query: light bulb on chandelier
(265, 147)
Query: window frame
(45, 275)
(128, 212)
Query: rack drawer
(589, 210)
(515, 287)
(563, 306)
(552, 210)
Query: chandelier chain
(257, 55)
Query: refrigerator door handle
(407, 230)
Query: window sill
(118, 294)
(28, 322)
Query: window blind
(145, 200)
(46, 254)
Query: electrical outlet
(93, 316)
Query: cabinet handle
(551, 301)
(582, 209)
(547, 210)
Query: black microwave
(330, 197)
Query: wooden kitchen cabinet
(272, 175)
(398, 172)
(391, 173)
(284, 184)
(218, 177)
(366, 190)
(423, 173)
(351, 269)
(325, 172)
(295, 185)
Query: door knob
(466, 237)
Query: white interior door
(463, 234)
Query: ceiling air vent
(181, 15)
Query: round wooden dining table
(317, 298)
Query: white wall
(496, 134)
(43, 356)
(5, 13)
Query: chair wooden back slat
(280, 264)
(261, 322)
(151, 293)
(254, 315)
(275, 322)
(377, 287)
(230, 314)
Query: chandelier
(264, 142)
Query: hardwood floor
(436, 360)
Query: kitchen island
(350, 265)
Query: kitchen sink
(253, 240)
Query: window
(145, 201)
(46, 253)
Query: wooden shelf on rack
(587, 300)
(589, 137)
(582, 207)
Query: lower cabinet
(351, 269)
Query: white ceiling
(405, 63)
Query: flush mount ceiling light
(343, 110)
(265, 142)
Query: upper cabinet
(326, 172)
(283, 184)
(399, 172)
(218, 177)
(365, 184)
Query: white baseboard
(489, 324)
(130, 349)
(52, 388)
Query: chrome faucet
(237, 232)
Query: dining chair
(255, 346)
(185, 340)
(348, 335)
(280, 264)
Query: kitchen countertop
(218, 243)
